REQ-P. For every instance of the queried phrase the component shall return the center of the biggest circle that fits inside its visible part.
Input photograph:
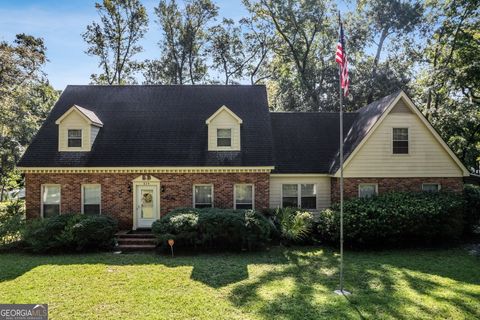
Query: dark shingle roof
(307, 142)
(157, 126)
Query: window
(224, 137)
(400, 140)
(74, 138)
(309, 196)
(431, 187)
(203, 196)
(50, 200)
(367, 190)
(91, 198)
(243, 196)
(299, 196)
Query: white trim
(368, 184)
(438, 184)
(200, 185)
(300, 175)
(235, 194)
(42, 188)
(145, 180)
(299, 195)
(412, 107)
(140, 170)
(221, 109)
(75, 108)
(83, 192)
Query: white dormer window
(74, 138)
(224, 137)
(224, 130)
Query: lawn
(292, 283)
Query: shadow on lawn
(298, 282)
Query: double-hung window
(203, 196)
(400, 141)
(367, 190)
(50, 200)
(431, 187)
(224, 137)
(74, 138)
(91, 198)
(244, 198)
(303, 195)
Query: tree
(25, 95)
(115, 39)
(183, 45)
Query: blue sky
(61, 22)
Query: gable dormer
(77, 129)
(224, 130)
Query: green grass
(293, 283)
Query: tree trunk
(383, 36)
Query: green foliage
(11, 222)
(472, 208)
(295, 225)
(395, 219)
(70, 232)
(115, 39)
(213, 229)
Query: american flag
(341, 59)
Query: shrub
(295, 225)
(71, 232)
(395, 219)
(472, 208)
(11, 222)
(213, 228)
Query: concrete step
(135, 235)
(122, 241)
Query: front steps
(135, 240)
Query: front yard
(293, 283)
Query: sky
(61, 24)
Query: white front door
(147, 206)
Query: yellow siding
(322, 183)
(426, 158)
(73, 121)
(223, 120)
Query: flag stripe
(341, 59)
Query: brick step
(135, 247)
(135, 235)
(122, 241)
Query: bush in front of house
(395, 219)
(472, 209)
(212, 228)
(70, 233)
(11, 223)
(294, 225)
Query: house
(137, 152)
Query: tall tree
(25, 95)
(115, 39)
(182, 48)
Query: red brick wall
(117, 200)
(393, 184)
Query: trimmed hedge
(70, 232)
(395, 219)
(212, 229)
(472, 209)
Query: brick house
(137, 152)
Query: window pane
(244, 206)
(290, 202)
(91, 209)
(309, 196)
(203, 196)
(400, 147)
(400, 134)
(74, 133)
(91, 194)
(51, 195)
(431, 187)
(243, 193)
(400, 140)
(224, 133)
(367, 190)
(290, 190)
(74, 138)
(51, 210)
